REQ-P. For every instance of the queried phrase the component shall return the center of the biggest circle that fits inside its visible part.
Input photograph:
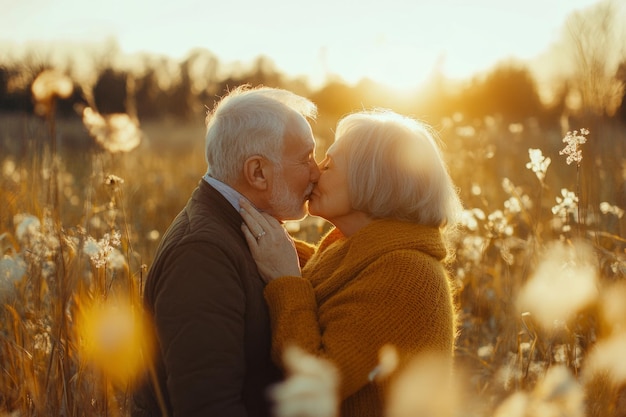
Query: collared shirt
(226, 190)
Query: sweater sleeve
(199, 314)
(395, 300)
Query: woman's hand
(271, 246)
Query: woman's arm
(394, 300)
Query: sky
(396, 42)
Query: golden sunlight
(114, 339)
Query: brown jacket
(205, 297)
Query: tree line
(184, 90)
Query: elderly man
(203, 292)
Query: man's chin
(291, 215)
(296, 216)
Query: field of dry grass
(539, 272)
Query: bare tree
(596, 42)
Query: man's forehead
(299, 137)
(298, 144)
(299, 125)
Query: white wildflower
(91, 247)
(498, 224)
(607, 208)
(538, 163)
(509, 372)
(10, 171)
(39, 241)
(566, 204)
(12, 270)
(115, 133)
(48, 86)
(485, 352)
(115, 259)
(510, 188)
(27, 226)
(572, 141)
(101, 252)
(113, 180)
(469, 218)
(472, 248)
(513, 205)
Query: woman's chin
(313, 209)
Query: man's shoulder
(205, 225)
(202, 229)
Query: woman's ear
(256, 172)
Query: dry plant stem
(53, 189)
(129, 248)
(578, 212)
(59, 343)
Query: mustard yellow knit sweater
(383, 285)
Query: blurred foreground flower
(114, 339)
(607, 357)
(613, 307)
(563, 284)
(116, 132)
(424, 388)
(558, 394)
(49, 85)
(311, 388)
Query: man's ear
(256, 172)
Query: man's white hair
(250, 121)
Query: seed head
(114, 133)
(48, 86)
(573, 140)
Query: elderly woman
(378, 277)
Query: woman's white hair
(396, 170)
(250, 121)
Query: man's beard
(285, 205)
